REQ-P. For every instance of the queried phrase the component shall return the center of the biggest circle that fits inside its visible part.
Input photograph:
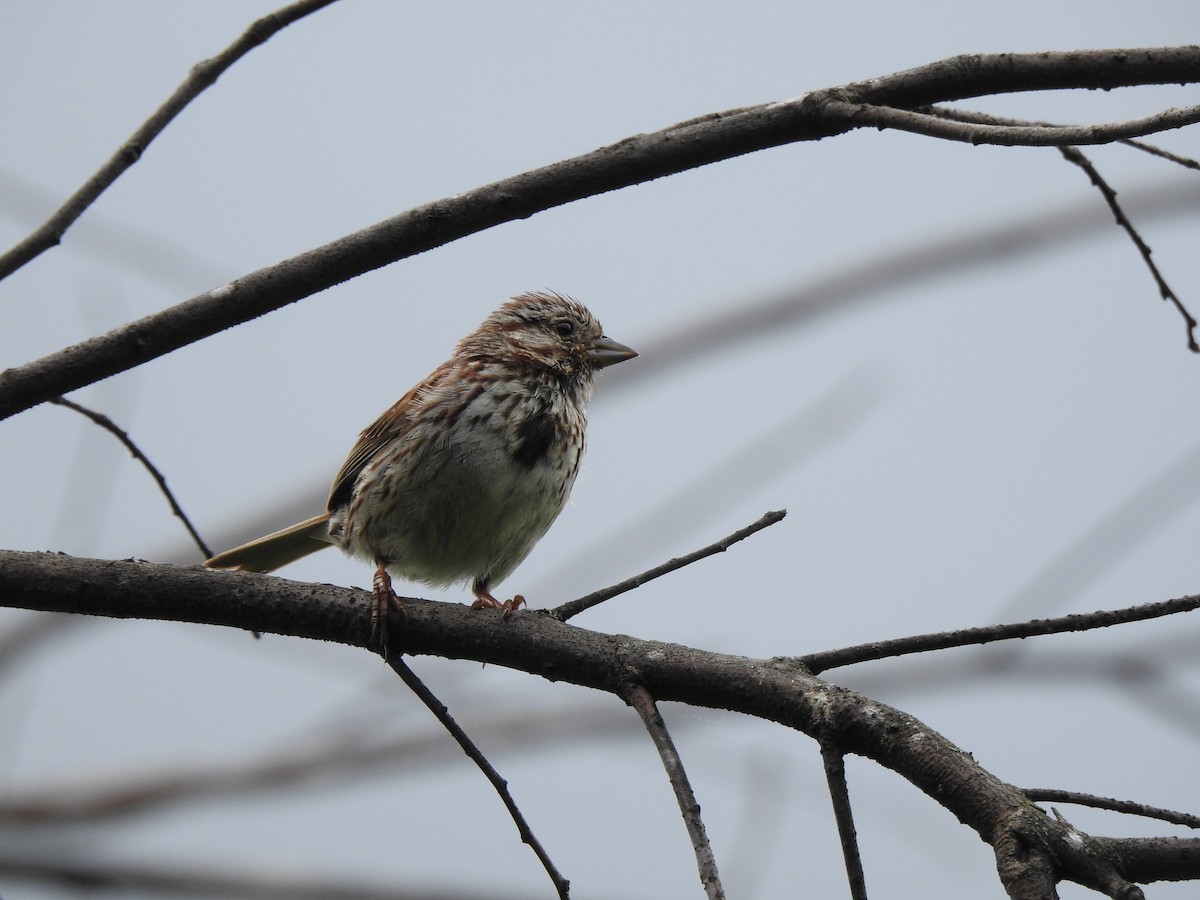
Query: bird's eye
(564, 327)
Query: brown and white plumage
(460, 478)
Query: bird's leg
(383, 598)
(484, 600)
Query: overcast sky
(967, 394)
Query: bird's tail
(276, 550)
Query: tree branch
(643, 703)
(121, 435)
(843, 814)
(774, 690)
(922, 643)
(963, 118)
(435, 706)
(202, 76)
(687, 145)
(1076, 158)
(575, 607)
(1012, 135)
(1055, 795)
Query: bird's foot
(383, 599)
(484, 600)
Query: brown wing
(393, 423)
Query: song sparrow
(466, 472)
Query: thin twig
(707, 495)
(108, 425)
(1008, 134)
(1054, 795)
(1184, 161)
(1075, 157)
(835, 776)
(637, 696)
(575, 607)
(963, 115)
(201, 76)
(922, 643)
(409, 677)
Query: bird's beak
(607, 352)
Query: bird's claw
(383, 598)
(484, 600)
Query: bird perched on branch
(463, 474)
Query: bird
(458, 480)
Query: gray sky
(942, 439)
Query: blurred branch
(30, 634)
(342, 757)
(113, 241)
(812, 429)
(1147, 675)
(121, 435)
(426, 696)
(677, 148)
(923, 643)
(574, 607)
(211, 881)
(756, 318)
(203, 75)
(1030, 846)
(1119, 532)
(643, 703)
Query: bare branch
(982, 74)
(121, 435)
(1055, 795)
(641, 700)
(643, 157)
(203, 75)
(843, 814)
(1077, 158)
(27, 636)
(1163, 154)
(1074, 156)
(575, 607)
(426, 696)
(775, 690)
(1012, 135)
(922, 643)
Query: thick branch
(680, 147)
(980, 74)
(541, 645)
